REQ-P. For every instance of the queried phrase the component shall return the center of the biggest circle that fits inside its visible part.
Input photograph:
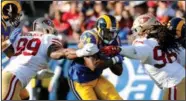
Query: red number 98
(164, 57)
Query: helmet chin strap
(107, 42)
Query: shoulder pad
(89, 37)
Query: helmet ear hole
(47, 31)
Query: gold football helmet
(11, 12)
(107, 27)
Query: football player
(85, 77)
(29, 48)
(11, 13)
(177, 25)
(10, 17)
(158, 53)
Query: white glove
(88, 50)
(44, 73)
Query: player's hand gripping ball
(110, 50)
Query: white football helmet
(44, 25)
(144, 24)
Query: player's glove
(110, 50)
(88, 50)
(44, 73)
(117, 59)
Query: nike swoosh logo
(88, 51)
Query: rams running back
(85, 77)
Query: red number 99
(31, 45)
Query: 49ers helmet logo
(48, 22)
(144, 19)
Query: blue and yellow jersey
(78, 71)
(5, 30)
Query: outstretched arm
(88, 50)
(140, 52)
(55, 52)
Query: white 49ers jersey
(30, 54)
(162, 67)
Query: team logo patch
(144, 19)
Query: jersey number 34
(28, 47)
(164, 57)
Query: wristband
(115, 60)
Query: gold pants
(11, 87)
(175, 93)
(100, 88)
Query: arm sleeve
(50, 39)
(14, 34)
(140, 52)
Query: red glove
(110, 50)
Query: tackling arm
(56, 52)
(88, 50)
(140, 52)
(129, 51)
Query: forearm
(88, 50)
(59, 54)
(128, 51)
